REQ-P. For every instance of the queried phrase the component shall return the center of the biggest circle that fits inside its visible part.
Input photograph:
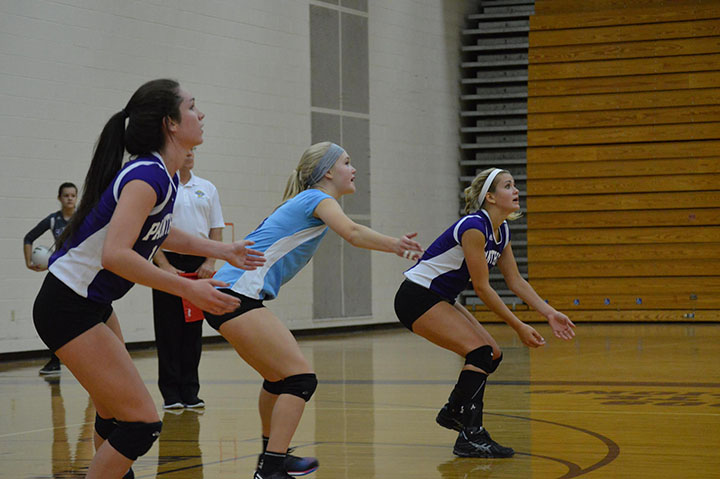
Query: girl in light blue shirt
(289, 237)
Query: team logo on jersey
(491, 257)
(159, 229)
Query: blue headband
(325, 163)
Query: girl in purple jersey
(123, 218)
(426, 303)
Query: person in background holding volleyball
(55, 222)
(426, 303)
(289, 237)
(124, 217)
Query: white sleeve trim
(457, 227)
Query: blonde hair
(298, 181)
(473, 202)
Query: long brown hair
(147, 113)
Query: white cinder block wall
(66, 67)
(414, 127)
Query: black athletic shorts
(413, 300)
(246, 304)
(60, 314)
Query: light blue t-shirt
(289, 237)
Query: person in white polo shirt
(179, 341)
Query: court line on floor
(32, 431)
(522, 382)
(390, 408)
(612, 446)
(425, 382)
(574, 470)
(679, 343)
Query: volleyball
(41, 256)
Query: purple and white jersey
(442, 268)
(78, 262)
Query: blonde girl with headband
(289, 237)
(426, 303)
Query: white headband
(486, 185)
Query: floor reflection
(66, 463)
(179, 445)
(592, 408)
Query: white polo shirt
(197, 207)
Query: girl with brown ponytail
(123, 218)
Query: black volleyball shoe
(476, 442)
(449, 418)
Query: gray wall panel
(356, 140)
(355, 76)
(327, 272)
(361, 5)
(357, 284)
(324, 57)
(342, 280)
(326, 127)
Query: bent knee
(134, 439)
(300, 385)
(486, 358)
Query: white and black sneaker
(476, 442)
(169, 405)
(196, 403)
(51, 368)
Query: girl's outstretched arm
(238, 254)
(330, 212)
(473, 245)
(561, 325)
(136, 200)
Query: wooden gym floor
(621, 401)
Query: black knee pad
(495, 364)
(273, 387)
(300, 385)
(105, 427)
(481, 357)
(133, 439)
